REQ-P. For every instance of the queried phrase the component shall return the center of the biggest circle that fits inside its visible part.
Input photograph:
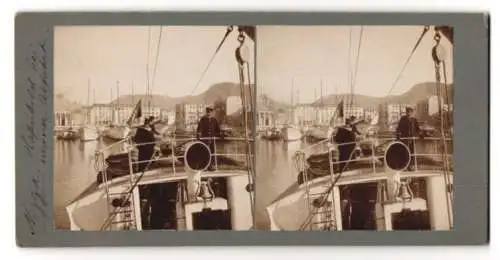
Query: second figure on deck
(345, 139)
(208, 130)
(407, 131)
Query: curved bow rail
(367, 157)
(118, 161)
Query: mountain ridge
(216, 92)
(418, 93)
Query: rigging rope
(108, 220)
(228, 31)
(324, 196)
(349, 69)
(446, 97)
(156, 64)
(438, 61)
(353, 79)
(426, 28)
(241, 69)
(398, 77)
(147, 63)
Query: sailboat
(271, 134)
(88, 132)
(69, 134)
(116, 131)
(322, 131)
(289, 131)
(174, 190)
(387, 188)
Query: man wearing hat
(145, 139)
(208, 127)
(407, 130)
(346, 138)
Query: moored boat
(68, 135)
(116, 132)
(272, 134)
(319, 132)
(291, 133)
(88, 133)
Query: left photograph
(153, 127)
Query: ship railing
(130, 147)
(371, 150)
(236, 149)
(438, 150)
(227, 147)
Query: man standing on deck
(207, 129)
(145, 138)
(345, 139)
(408, 130)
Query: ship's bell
(205, 192)
(404, 192)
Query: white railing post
(174, 158)
(104, 173)
(131, 179)
(130, 163)
(215, 154)
(374, 157)
(415, 153)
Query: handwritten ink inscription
(35, 135)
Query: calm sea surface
(74, 171)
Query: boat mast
(118, 101)
(87, 118)
(93, 103)
(298, 100)
(322, 102)
(292, 105)
(321, 90)
(133, 97)
(315, 106)
(112, 106)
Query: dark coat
(208, 127)
(146, 137)
(408, 127)
(345, 135)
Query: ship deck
(155, 176)
(361, 175)
(115, 170)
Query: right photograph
(355, 128)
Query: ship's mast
(291, 104)
(87, 118)
(118, 101)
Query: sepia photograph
(355, 128)
(153, 127)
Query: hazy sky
(307, 55)
(107, 54)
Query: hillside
(265, 102)
(156, 100)
(63, 104)
(216, 92)
(416, 94)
